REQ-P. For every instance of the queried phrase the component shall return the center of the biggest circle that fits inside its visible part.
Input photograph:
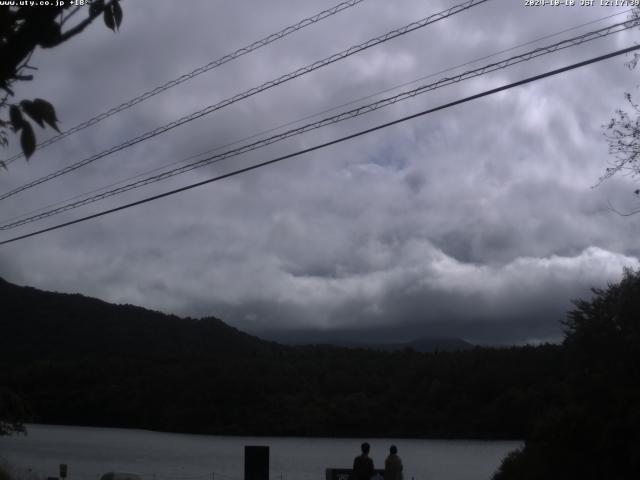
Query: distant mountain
(422, 345)
(368, 339)
(82, 325)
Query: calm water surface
(90, 452)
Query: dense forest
(76, 360)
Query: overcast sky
(478, 222)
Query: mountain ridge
(349, 339)
(67, 319)
(32, 301)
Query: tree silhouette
(12, 413)
(623, 134)
(22, 30)
(596, 434)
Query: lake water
(90, 452)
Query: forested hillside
(77, 360)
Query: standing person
(363, 465)
(393, 465)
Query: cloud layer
(479, 221)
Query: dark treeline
(77, 360)
(302, 391)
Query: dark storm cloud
(478, 222)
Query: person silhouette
(393, 465)
(363, 465)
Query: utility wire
(538, 52)
(332, 142)
(253, 91)
(308, 117)
(194, 73)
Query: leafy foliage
(12, 413)
(596, 434)
(22, 30)
(623, 133)
(113, 15)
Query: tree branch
(77, 29)
(627, 214)
(65, 19)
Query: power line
(538, 52)
(308, 117)
(253, 91)
(194, 73)
(332, 142)
(335, 119)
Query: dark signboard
(256, 463)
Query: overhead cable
(385, 102)
(253, 91)
(194, 73)
(327, 144)
(308, 117)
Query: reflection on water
(90, 452)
